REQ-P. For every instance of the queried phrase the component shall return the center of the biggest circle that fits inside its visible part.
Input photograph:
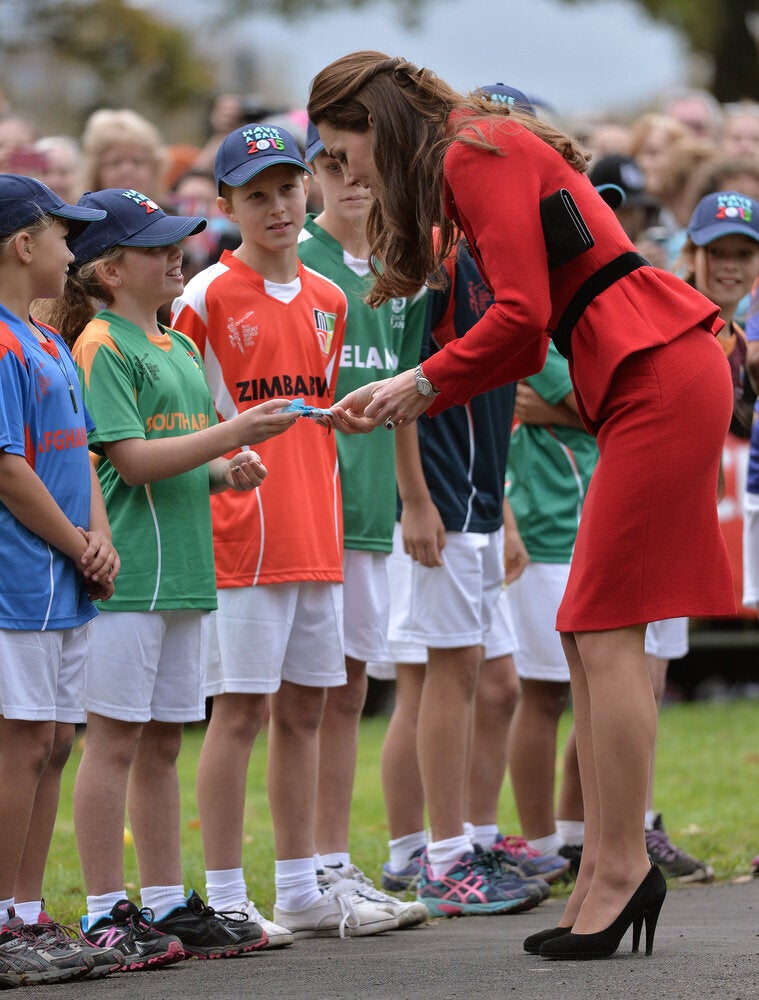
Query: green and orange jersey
(141, 386)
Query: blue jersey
(42, 419)
(464, 449)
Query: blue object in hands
(304, 409)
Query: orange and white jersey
(261, 341)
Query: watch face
(423, 384)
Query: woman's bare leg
(615, 728)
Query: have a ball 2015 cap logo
(723, 214)
(252, 148)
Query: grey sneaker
(50, 932)
(673, 862)
(23, 961)
(472, 887)
(407, 878)
(510, 874)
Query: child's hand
(531, 408)
(263, 421)
(245, 472)
(515, 556)
(99, 563)
(100, 591)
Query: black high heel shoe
(534, 941)
(644, 905)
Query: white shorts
(276, 632)
(412, 631)
(42, 674)
(751, 550)
(366, 604)
(147, 665)
(667, 639)
(448, 606)
(534, 598)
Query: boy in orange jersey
(269, 327)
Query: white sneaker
(340, 912)
(408, 914)
(279, 937)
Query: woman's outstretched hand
(391, 403)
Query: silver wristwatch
(423, 384)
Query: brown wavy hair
(83, 296)
(409, 109)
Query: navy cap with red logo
(724, 213)
(252, 148)
(132, 220)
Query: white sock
(162, 899)
(337, 859)
(5, 905)
(547, 845)
(402, 848)
(484, 835)
(649, 821)
(295, 884)
(29, 911)
(443, 853)
(226, 889)
(571, 831)
(101, 906)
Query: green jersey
(378, 343)
(548, 472)
(138, 386)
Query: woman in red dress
(651, 383)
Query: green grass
(706, 786)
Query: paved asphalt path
(707, 948)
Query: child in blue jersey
(377, 342)
(159, 449)
(56, 556)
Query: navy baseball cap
(132, 220)
(723, 214)
(314, 144)
(501, 93)
(252, 148)
(24, 200)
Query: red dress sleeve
(492, 197)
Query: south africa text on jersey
(282, 387)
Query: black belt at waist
(588, 290)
